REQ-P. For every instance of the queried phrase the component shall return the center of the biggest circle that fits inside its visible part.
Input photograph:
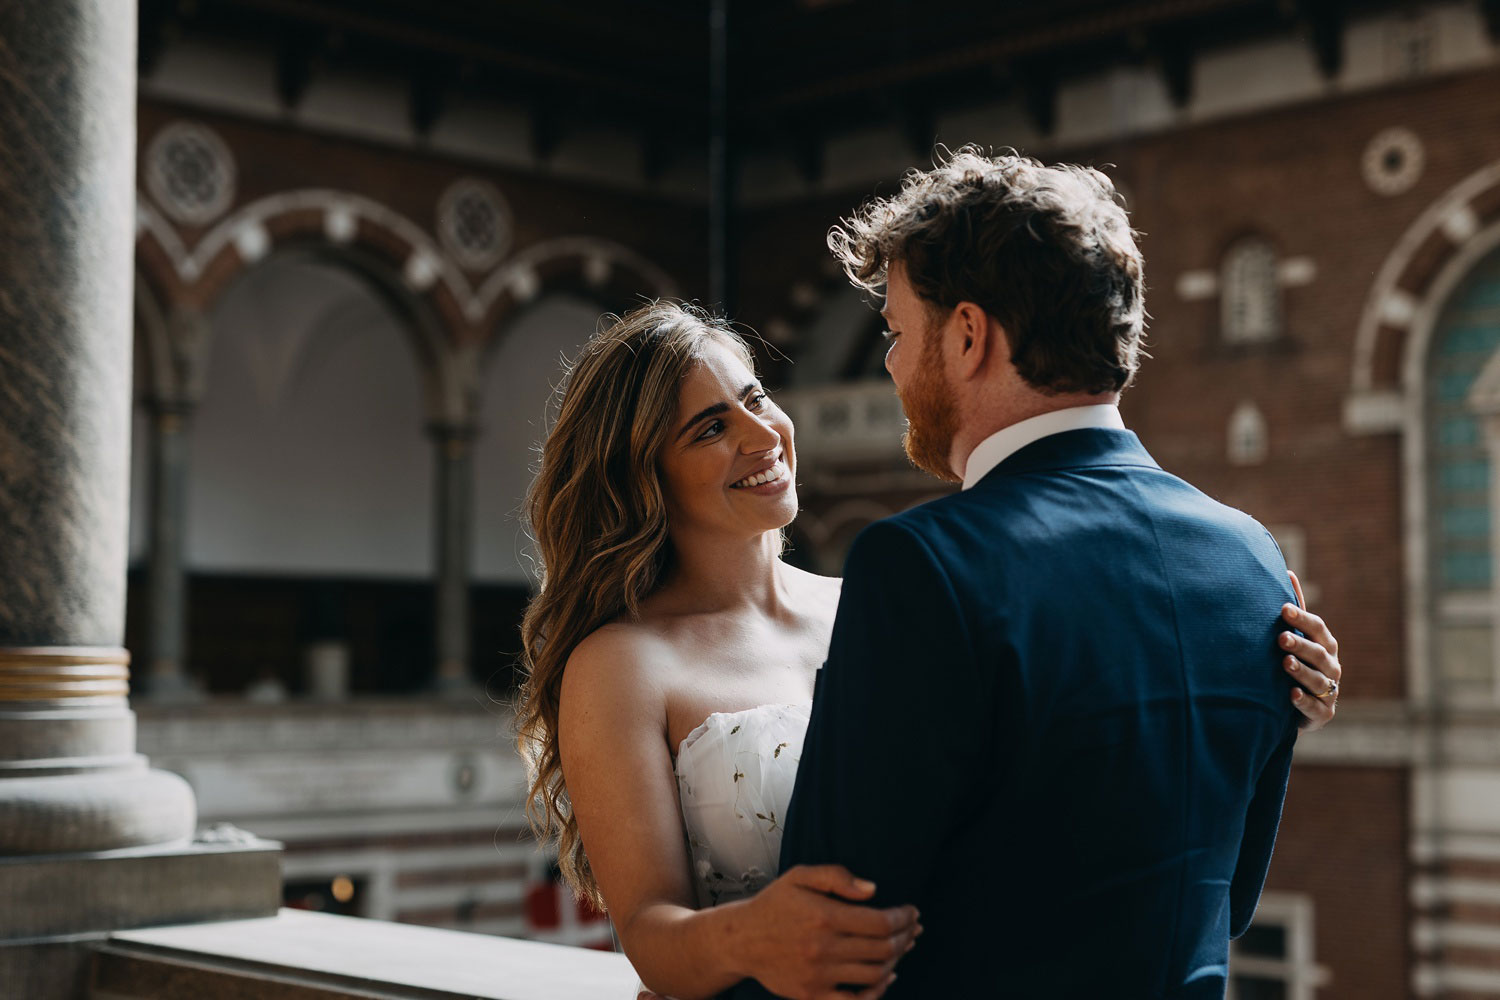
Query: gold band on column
(46, 673)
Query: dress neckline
(703, 726)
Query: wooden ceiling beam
(157, 27)
(1038, 83)
(1491, 11)
(296, 56)
(1041, 40)
(412, 34)
(1324, 23)
(1174, 54)
(430, 85)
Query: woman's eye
(712, 430)
(758, 400)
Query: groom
(1054, 715)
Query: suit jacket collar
(1008, 440)
(1087, 448)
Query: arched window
(1460, 504)
(1250, 297)
(1247, 435)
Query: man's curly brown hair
(1047, 251)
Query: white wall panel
(307, 452)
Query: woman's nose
(761, 436)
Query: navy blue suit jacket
(1053, 717)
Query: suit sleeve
(899, 717)
(1261, 822)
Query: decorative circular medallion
(1393, 161)
(473, 222)
(190, 173)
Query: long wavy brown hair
(598, 517)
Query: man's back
(1109, 749)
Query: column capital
(444, 430)
(453, 437)
(169, 412)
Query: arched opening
(516, 391)
(1460, 500)
(309, 481)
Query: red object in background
(553, 914)
(542, 909)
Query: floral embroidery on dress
(735, 775)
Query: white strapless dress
(735, 774)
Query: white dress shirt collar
(1008, 440)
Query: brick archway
(1387, 384)
(1454, 232)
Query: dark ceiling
(795, 70)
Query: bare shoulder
(622, 668)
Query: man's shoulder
(941, 533)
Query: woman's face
(728, 463)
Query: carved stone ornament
(1393, 161)
(474, 224)
(190, 173)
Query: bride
(670, 657)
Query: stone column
(166, 678)
(67, 198)
(76, 801)
(453, 509)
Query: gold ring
(1332, 692)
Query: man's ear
(974, 330)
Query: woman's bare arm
(612, 737)
(618, 766)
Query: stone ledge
(48, 896)
(297, 955)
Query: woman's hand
(801, 942)
(1313, 661)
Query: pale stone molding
(1374, 409)
(1199, 285)
(1248, 438)
(386, 959)
(1295, 272)
(427, 265)
(1460, 224)
(1398, 308)
(465, 202)
(1195, 286)
(1402, 253)
(190, 172)
(1484, 402)
(1298, 971)
(1374, 412)
(1393, 161)
(1429, 979)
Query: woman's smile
(762, 480)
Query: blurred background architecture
(367, 232)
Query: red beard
(931, 414)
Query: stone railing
(310, 956)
